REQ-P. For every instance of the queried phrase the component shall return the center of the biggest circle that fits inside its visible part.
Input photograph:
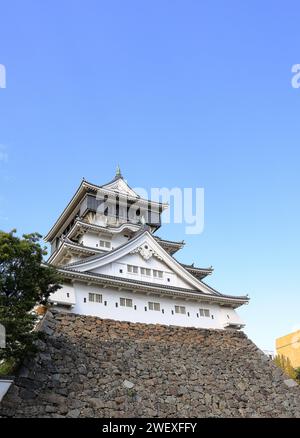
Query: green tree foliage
(284, 363)
(24, 282)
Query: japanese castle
(114, 265)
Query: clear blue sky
(180, 93)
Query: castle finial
(118, 172)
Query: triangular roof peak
(120, 185)
(145, 244)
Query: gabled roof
(143, 240)
(97, 256)
(66, 246)
(170, 245)
(86, 187)
(119, 185)
(198, 272)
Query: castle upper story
(104, 217)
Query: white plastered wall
(110, 307)
(169, 278)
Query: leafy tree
(279, 361)
(24, 282)
(284, 363)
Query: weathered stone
(46, 357)
(82, 369)
(48, 331)
(91, 367)
(96, 403)
(207, 398)
(170, 399)
(50, 409)
(54, 398)
(74, 413)
(26, 394)
(290, 383)
(127, 384)
(24, 372)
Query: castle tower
(114, 265)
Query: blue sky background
(180, 93)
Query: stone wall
(89, 367)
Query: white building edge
(113, 266)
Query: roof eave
(57, 225)
(234, 301)
(65, 246)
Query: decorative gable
(119, 185)
(146, 252)
(145, 246)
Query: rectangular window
(154, 306)
(132, 269)
(180, 309)
(95, 298)
(204, 312)
(105, 244)
(157, 274)
(98, 298)
(126, 302)
(145, 271)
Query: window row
(132, 269)
(128, 302)
(104, 244)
